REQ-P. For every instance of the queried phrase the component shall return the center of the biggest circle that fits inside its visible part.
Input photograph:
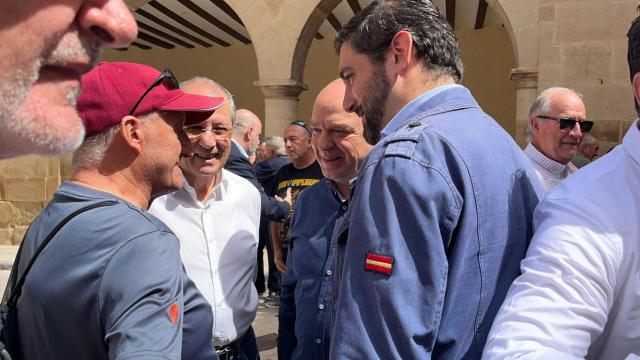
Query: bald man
(339, 145)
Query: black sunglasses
(167, 77)
(306, 127)
(569, 123)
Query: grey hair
(228, 97)
(93, 149)
(276, 143)
(542, 104)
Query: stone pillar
(526, 80)
(280, 103)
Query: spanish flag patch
(378, 263)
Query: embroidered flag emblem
(174, 313)
(378, 263)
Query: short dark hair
(371, 30)
(633, 51)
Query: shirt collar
(550, 165)
(631, 141)
(240, 149)
(401, 117)
(218, 194)
(335, 190)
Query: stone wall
(26, 184)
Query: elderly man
(338, 141)
(274, 157)
(577, 296)
(587, 151)
(556, 123)
(216, 216)
(110, 284)
(440, 217)
(47, 46)
(302, 172)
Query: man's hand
(277, 258)
(287, 198)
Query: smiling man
(556, 123)
(440, 215)
(216, 217)
(111, 282)
(304, 327)
(47, 46)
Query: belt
(225, 351)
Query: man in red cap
(110, 283)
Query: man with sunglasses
(556, 124)
(216, 215)
(578, 295)
(111, 284)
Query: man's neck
(120, 184)
(304, 163)
(204, 185)
(243, 145)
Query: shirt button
(318, 341)
(329, 272)
(321, 306)
(344, 207)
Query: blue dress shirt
(441, 216)
(305, 298)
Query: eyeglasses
(569, 123)
(306, 127)
(195, 131)
(167, 77)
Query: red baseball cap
(111, 90)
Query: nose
(207, 140)
(108, 21)
(323, 142)
(575, 131)
(348, 101)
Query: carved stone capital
(525, 78)
(280, 88)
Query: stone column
(527, 89)
(280, 103)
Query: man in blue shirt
(305, 300)
(110, 284)
(441, 211)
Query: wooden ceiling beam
(140, 46)
(451, 12)
(333, 20)
(355, 6)
(318, 36)
(148, 38)
(227, 10)
(177, 18)
(213, 21)
(172, 28)
(481, 15)
(165, 35)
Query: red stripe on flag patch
(378, 263)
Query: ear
(401, 50)
(131, 132)
(247, 134)
(535, 124)
(636, 87)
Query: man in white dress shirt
(579, 292)
(216, 217)
(556, 124)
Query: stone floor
(265, 325)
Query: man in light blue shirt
(441, 211)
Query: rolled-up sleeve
(559, 305)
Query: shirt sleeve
(141, 299)
(560, 303)
(408, 221)
(287, 340)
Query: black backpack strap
(16, 288)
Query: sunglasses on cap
(306, 127)
(569, 123)
(166, 77)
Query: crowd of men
(402, 221)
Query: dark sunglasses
(306, 127)
(167, 77)
(569, 123)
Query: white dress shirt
(218, 246)
(550, 172)
(579, 292)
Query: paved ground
(265, 324)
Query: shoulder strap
(16, 288)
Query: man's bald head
(246, 130)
